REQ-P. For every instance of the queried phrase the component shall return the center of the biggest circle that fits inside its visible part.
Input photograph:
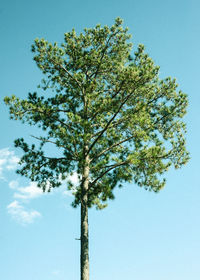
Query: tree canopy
(99, 100)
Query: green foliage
(105, 104)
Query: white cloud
(23, 194)
(5, 153)
(20, 214)
(2, 161)
(12, 162)
(74, 178)
(13, 184)
(28, 192)
(75, 181)
(8, 160)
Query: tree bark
(84, 258)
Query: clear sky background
(141, 235)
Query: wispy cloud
(29, 192)
(8, 161)
(24, 194)
(20, 214)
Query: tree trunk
(84, 243)
(84, 258)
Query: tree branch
(112, 146)
(108, 170)
(116, 93)
(102, 56)
(49, 141)
(53, 118)
(125, 140)
(69, 74)
(109, 122)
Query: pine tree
(111, 117)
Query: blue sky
(141, 235)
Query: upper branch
(114, 95)
(69, 74)
(102, 56)
(110, 121)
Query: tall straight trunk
(84, 258)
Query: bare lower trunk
(84, 243)
(84, 225)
